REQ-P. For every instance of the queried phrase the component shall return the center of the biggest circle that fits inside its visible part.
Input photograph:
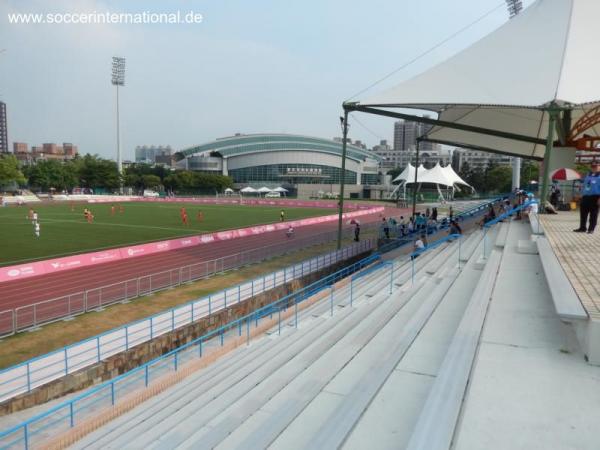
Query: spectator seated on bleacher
(489, 216)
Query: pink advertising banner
(49, 266)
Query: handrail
(409, 236)
(435, 244)
(26, 317)
(285, 302)
(25, 376)
(510, 212)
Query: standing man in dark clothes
(590, 200)
(356, 231)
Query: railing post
(28, 377)
(71, 416)
(225, 298)
(112, 393)
(98, 347)
(66, 362)
(484, 240)
(172, 319)
(193, 303)
(222, 337)
(252, 291)
(239, 293)
(126, 338)
(248, 330)
(146, 375)
(296, 312)
(331, 299)
(209, 305)
(175, 361)
(26, 436)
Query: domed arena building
(304, 165)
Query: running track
(26, 292)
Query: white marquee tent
(509, 91)
(248, 190)
(438, 175)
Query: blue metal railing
(69, 413)
(409, 237)
(501, 217)
(40, 370)
(418, 252)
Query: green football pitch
(64, 232)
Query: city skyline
(260, 68)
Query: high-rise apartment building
(406, 134)
(148, 153)
(3, 129)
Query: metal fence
(39, 371)
(61, 418)
(36, 314)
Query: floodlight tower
(118, 79)
(514, 7)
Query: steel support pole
(547, 156)
(343, 176)
(414, 205)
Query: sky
(249, 67)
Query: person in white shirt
(36, 229)
(34, 218)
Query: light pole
(514, 7)
(344, 123)
(118, 79)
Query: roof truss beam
(445, 124)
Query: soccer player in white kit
(36, 229)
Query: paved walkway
(579, 255)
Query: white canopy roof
(452, 175)
(248, 189)
(228, 190)
(264, 190)
(445, 176)
(506, 81)
(280, 189)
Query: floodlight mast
(118, 79)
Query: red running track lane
(20, 293)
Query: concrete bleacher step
(138, 430)
(566, 301)
(357, 384)
(437, 421)
(325, 419)
(527, 247)
(179, 395)
(231, 368)
(277, 368)
(502, 235)
(470, 245)
(304, 380)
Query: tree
(499, 179)
(150, 181)
(10, 172)
(96, 172)
(530, 171)
(51, 173)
